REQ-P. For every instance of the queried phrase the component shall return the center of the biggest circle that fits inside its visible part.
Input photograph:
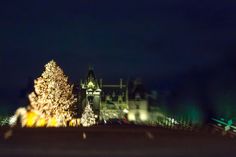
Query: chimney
(100, 82)
(121, 83)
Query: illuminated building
(113, 101)
(138, 103)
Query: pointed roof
(91, 75)
(91, 81)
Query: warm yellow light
(131, 116)
(126, 111)
(91, 85)
(52, 122)
(78, 121)
(31, 118)
(41, 122)
(74, 122)
(143, 115)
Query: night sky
(185, 48)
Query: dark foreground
(116, 141)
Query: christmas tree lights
(88, 117)
(52, 97)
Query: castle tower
(92, 92)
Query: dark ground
(114, 141)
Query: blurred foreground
(114, 141)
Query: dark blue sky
(160, 41)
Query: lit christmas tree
(53, 97)
(88, 117)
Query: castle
(113, 101)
